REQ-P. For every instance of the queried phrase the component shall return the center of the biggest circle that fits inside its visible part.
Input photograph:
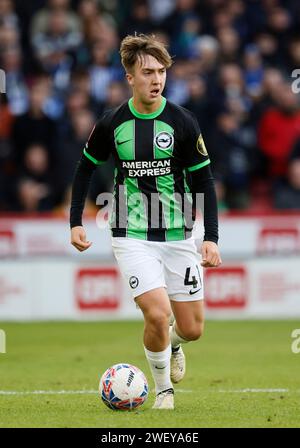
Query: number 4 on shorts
(187, 280)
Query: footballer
(159, 154)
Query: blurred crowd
(234, 67)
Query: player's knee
(193, 332)
(158, 318)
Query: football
(123, 387)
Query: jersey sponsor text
(147, 167)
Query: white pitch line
(94, 392)
(184, 391)
(181, 391)
(48, 392)
(63, 392)
(241, 391)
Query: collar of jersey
(147, 116)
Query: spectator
(9, 37)
(174, 23)
(233, 60)
(117, 93)
(102, 29)
(279, 129)
(6, 119)
(87, 11)
(76, 101)
(80, 80)
(17, 93)
(206, 49)
(237, 12)
(221, 19)
(229, 44)
(272, 81)
(40, 21)
(230, 91)
(34, 125)
(231, 165)
(8, 16)
(139, 20)
(184, 42)
(177, 85)
(287, 191)
(198, 101)
(6, 122)
(279, 22)
(101, 73)
(295, 153)
(160, 9)
(253, 71)
(82, 122)
(54, 48)
(97, 25)
(293, 54)
(36, 187)
(269, 49)
(63, 208)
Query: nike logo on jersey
(124, 141)
(194, 292)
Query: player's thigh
(155, 305)
(186, 313)
(189, 317)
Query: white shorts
(173, 265)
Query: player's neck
(142, 108)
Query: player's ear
(130, 79)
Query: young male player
(156, 146)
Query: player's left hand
(210, 255)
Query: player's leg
(189, 321)
(144, 274)
(184, 278)
(156, 309)
(188, 326)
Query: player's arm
(197, 163)
(203, 183)
(95, 153)
(82, 179)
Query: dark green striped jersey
(153, 154)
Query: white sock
(159, 363)
(175, 339)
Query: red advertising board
(226, 287)
(97, 289)
(7, 242)
(278, 240)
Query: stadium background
(234, 63)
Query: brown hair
(134, 47)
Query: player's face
(147, 80)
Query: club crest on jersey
(201, 146)
(164, 140)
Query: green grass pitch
(240, 374)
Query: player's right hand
(78, 238)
